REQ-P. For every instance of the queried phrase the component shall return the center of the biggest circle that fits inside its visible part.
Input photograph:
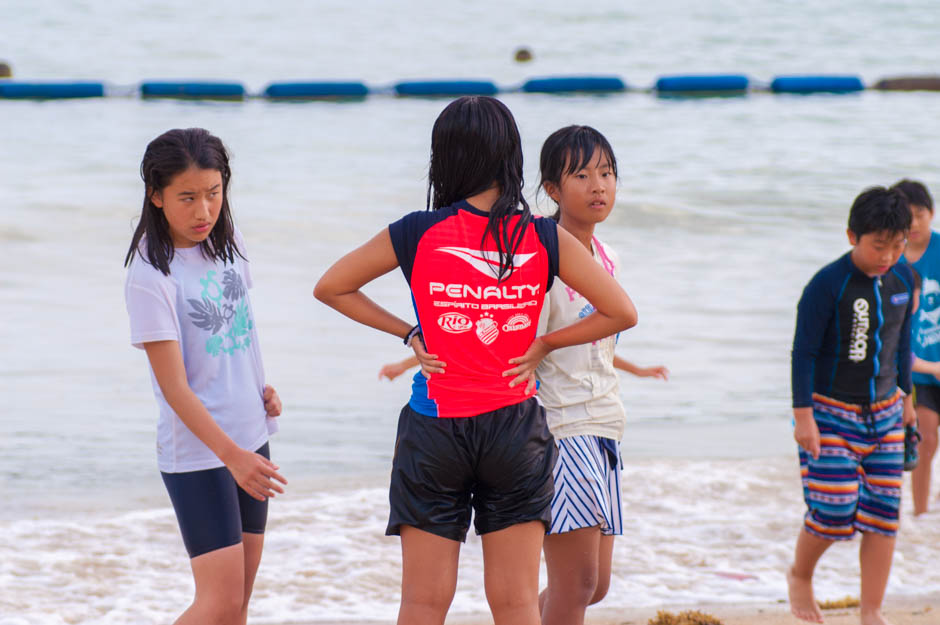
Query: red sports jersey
(472, 322)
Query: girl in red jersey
(472, 436)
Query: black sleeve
(406, 233)
(547, 229)
(813, 315)
(905, 357)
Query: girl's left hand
(272, 402)
(526, 365)
(658, 371)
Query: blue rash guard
(925, 325)
(853, 335)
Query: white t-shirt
(578, 385)
(204, 306)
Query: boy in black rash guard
(851, 399)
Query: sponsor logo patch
(486, 262)
(454, 322)
(517, 322)
(900, 298)
(487, 329)
(858, 346)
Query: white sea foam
(698, 531)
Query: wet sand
(903, 611)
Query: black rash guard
(853, 335)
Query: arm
(253, 472)
(339, 287)
(395, 369)
(905, 364)
(926, 366)
(658, 371)
(813, 314)
(614, 311)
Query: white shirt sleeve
(152, 314)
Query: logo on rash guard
(858, 345)
(487, 329)
(454, 322)
(486, 262)
(517, 322)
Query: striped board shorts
(856, 482)
(587, 486)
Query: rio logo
(454, 322)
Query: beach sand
(906, 611)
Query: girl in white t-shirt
(187, 299)
(580, 389)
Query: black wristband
(411, 334)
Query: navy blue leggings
(212, 509)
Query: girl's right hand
(255, 474)
(429, 362)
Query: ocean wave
(697, 531)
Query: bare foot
(873, 617)
(803, 601)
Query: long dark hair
(475, 145)
(168, 155)
(574, 145)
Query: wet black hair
(878, 209)
(167, 156)
(574, 146)
(475, 145)
(915, 192)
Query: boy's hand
(806, 432)
(910, 416)
(272, 403)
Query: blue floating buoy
(446, 88)
(816, 84)
(702, 83)
(196, 90)
(50, 90)
(564, 84)
(310, 90)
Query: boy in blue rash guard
(851, 398)
(923, 253)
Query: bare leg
(428, 576)
(927, 421)
(511, 573)
(605, 556)
(809, 548)
(572, 561)
(220, 583)
(252, 545)
(875, 557)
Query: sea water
(726, 207)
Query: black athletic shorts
(212, 509)
(499, 463)
(928, 396)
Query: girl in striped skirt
(579, 387)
